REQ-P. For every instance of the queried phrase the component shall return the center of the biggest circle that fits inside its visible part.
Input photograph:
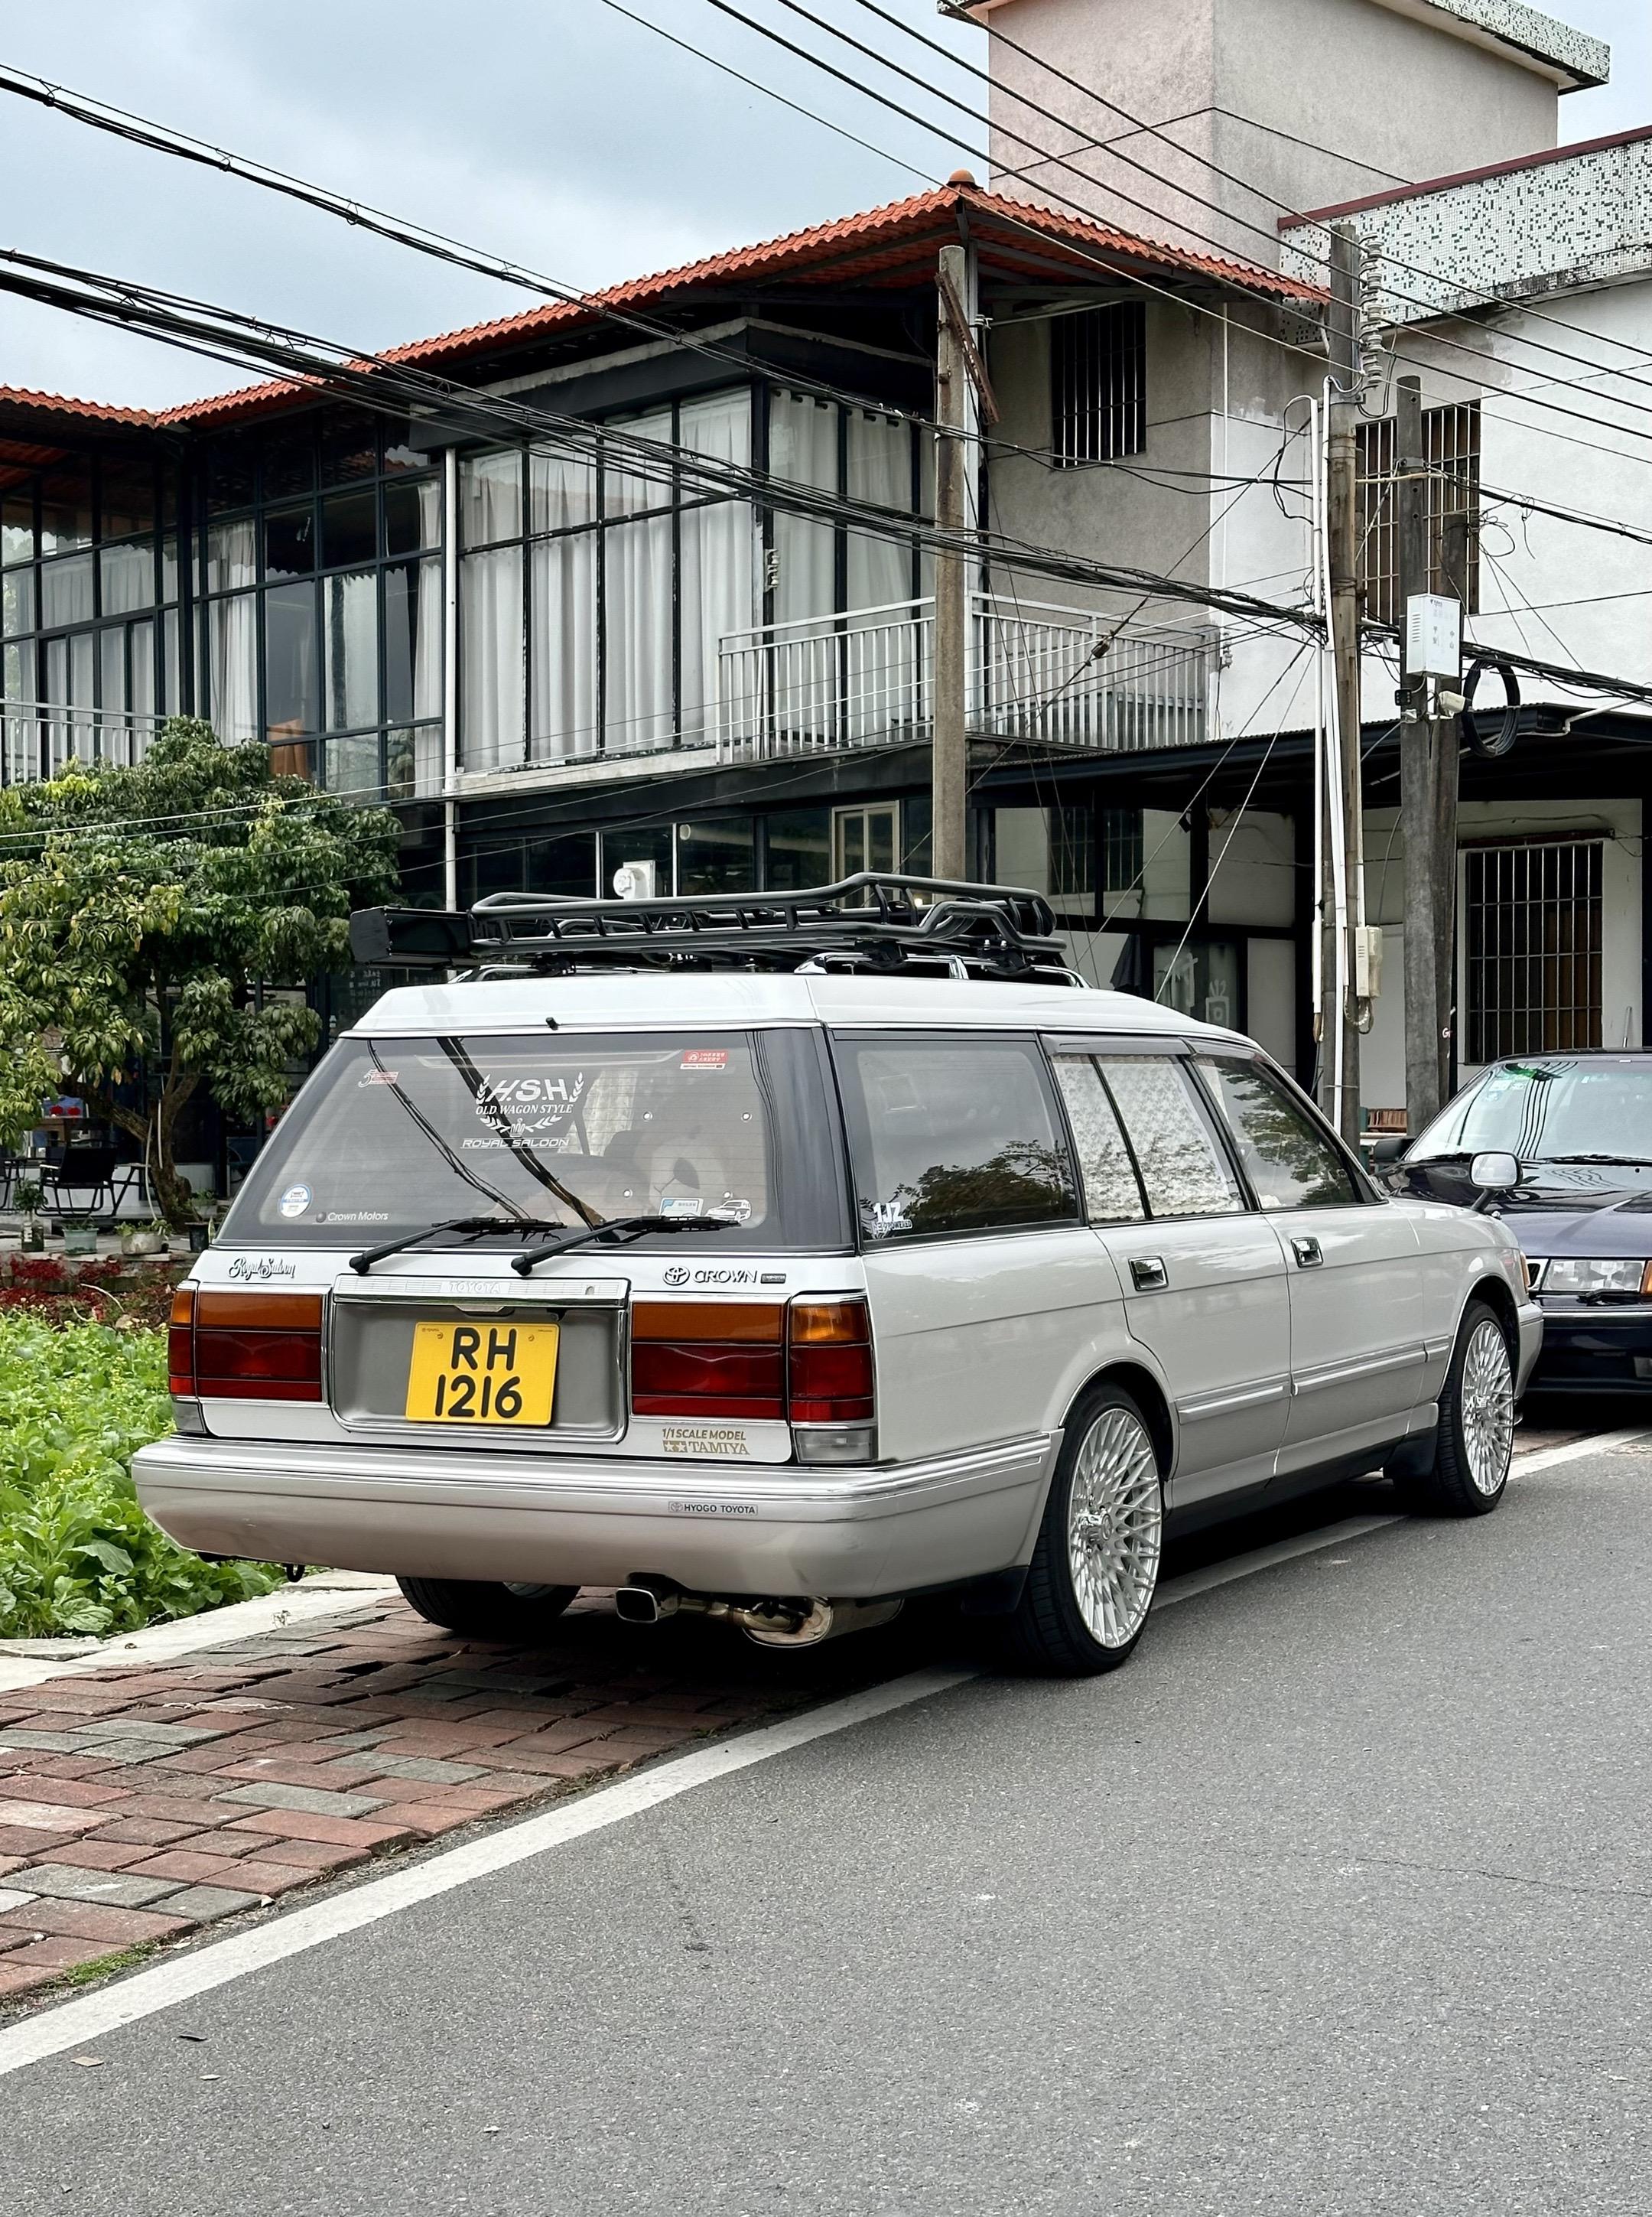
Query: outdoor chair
(81, 1170)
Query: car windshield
(393, 1135)
(1552, 1109)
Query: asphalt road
(1337, 1900)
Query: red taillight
(829, 1375)
(245, 1346)
(810, 1364)
(708, 1359)
(181, 1345)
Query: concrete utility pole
(1428, 752)
(950, 774)
(1342, 534)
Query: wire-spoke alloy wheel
(1487, 1395)
(1095, 1568)
(1115, 1527)
(1474, 1444)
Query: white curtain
(491, 660)
(490, 497)
(426, 645)
(883, 650)
(350, 647)
(637, 615)
(563, 656)
(232, 653)
(715, 567)
(639, 481)
(561, 491)
(803, 450)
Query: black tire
(1053, 1631)
(485, 1611)
(1475, 1444)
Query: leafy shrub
(77, 1552)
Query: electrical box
(1368, 957)
(1433, 635)
(634, 881)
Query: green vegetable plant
(77, 1554)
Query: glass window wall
(596, 587)
(89, 592)
(321, 627)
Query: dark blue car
(1580, 1126)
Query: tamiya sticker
(705, 1058)
(294, 1200)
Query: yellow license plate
(482, 1374)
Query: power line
(389, 386)
(829, 68)
(156, 138)
(961, 13)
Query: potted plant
(80, 1235)
(31, 1238)
(141, 1238)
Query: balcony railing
(1054, 676)
(40, 740)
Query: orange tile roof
(883, 245)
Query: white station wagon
(783, 1257)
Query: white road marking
(1575, 1450)
(218, 1963)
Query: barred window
(1098, 364)
(1532, 951)
(1122, 848)
(1450, 438)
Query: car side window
(1288, 1161)
(954, 1135)
(1112, 1192)
(1183, 1169)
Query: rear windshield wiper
(620, 1232)
(474, 1225)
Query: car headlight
(1608, 1274)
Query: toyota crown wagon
(787, 1295)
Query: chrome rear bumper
(715, 1527)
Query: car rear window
(951, 1135)
(391, 1135)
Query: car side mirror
(1389, 1148)
(1494, 1172)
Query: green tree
(153, 921)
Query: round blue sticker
(294, 1200)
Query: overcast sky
(558, 133)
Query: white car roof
(629, 1001)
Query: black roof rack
(878, 921)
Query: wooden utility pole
(950, 774)
(1343, 548)
(1427, 796)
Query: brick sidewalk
(137, 1804)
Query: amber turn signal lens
(1645, 1281)
(830, 1324)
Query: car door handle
(1147, 1273)
(1307, 1253)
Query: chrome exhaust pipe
(646, 1599)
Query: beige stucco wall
(1396, 97)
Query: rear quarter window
(951, 1135)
